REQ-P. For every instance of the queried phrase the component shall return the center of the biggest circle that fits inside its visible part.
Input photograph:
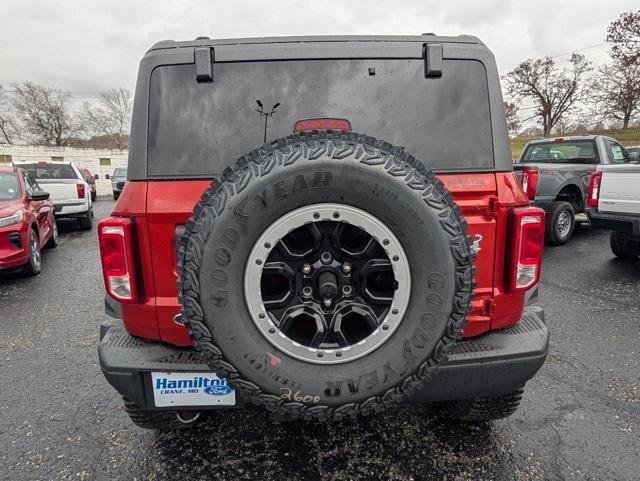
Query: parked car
(91, 180)
(614, 202)
(325, 273)
(118, 179)
(69, 191)
(27, 222)
(555, 175)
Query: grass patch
(625, 137)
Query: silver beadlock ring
(318, 213)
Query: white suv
(70, 193)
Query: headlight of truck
(14, 218)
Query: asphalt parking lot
(59, 419)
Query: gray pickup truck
(555, 174)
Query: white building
(100, 162)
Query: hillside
(625, 137)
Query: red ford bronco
(323, 227)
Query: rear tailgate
(620, 189)
(63, 191)
(170, 204)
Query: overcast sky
(89, 45)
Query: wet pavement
(59, 419)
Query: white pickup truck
(614, 202)
(70, 193)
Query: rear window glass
(566, 151)
(50, 171)
(200, 128)
(9, 187)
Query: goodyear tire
(333, 374)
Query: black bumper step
(494, 363)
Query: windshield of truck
(562, 151)
(9, 188)
(46, 171)
(120, 173)
(197, 129)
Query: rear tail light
(528, 242)
(322, 124)
(116, 239)
(81, 190)
(594, 189)
(530, 182)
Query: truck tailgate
(63, 191)
(620, 189)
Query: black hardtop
(170, 52)
(206, 41)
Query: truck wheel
(116, 196)
(486, 408)
(86, 221)
(560, 223)
(160, 420)
(325, 276)
(34, 264)
(623, 246)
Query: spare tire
(325, 275)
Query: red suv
(324, 227)
(27, 221)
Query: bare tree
(7, 122)
(624, 35)
(44, 115)
(616, 91)
(511, 114)
(111, 118)
(554, 91)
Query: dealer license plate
(191, 389)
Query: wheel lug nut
(325, 258)
(346, 290)
(347, 268)
(307, 291)
(328, 302)
(306, 269)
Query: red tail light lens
(116, 239)
(322, 124)
(530, 182)
(526, 257)
(81, 190)
(594, 189)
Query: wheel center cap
(327, 285)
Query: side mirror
(39, 195)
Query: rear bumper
(71, 209)
(628, 224)
(495, 363)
